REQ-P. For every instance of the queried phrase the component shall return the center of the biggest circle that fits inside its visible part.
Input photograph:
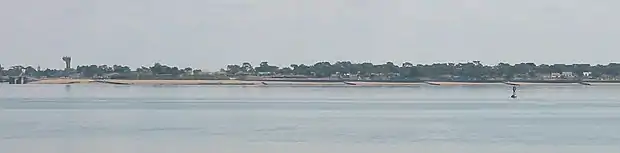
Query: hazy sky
(213, 33)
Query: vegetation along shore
(342, 72)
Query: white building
(568, 74)
(587, 74)
(556, 75)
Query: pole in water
(514, 92)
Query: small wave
(273, 129)
(169, 129)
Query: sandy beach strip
(62, 81)
(603, 83)
(297, 83)
(542, 84)
(145, 82)
(179, 82)
(442, 83)
(355, 83)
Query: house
(555, 75)
(568, 75)
(587, 74)
(608, 77)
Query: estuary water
(235, 119)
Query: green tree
(285, 71)
(90, 70)
(409, 71)
(30, 71)
(233, 69)
(388, 67)
(265, 67)
(197, 72)
(143, 70)
(301, 69)
(121, 69)
(247, 67)
(15, 70)
(188, 70)
(322, 69)
(158, 68)
(505, 70)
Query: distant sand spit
(354, 83)
(462, 83)
(603, 83)
(186, 82)
(178, 82)
(62, 81)
(543, 84)
(145, 82)
(285, 83)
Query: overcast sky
(213, 33)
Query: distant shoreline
(313, 82)
(422, 81)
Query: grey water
(235, 119)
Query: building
(67, 61)
(555, 75)
(568, 75)
(587, 74)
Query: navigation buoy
(514, 92)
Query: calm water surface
(198, 119)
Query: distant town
(342, 70)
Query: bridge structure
(19, 79)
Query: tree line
(474, 70)
(96, 70)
